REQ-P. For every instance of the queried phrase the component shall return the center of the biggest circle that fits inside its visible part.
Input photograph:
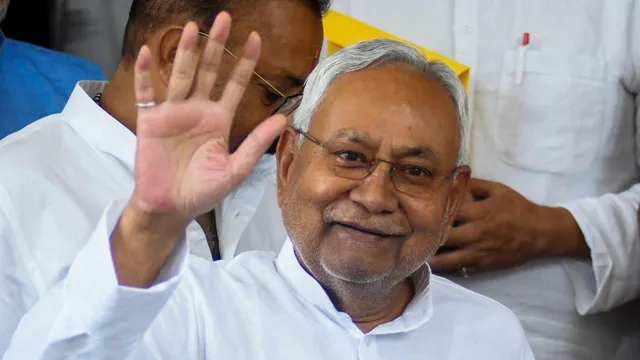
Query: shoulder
(64, 64)
(478, 313)
(42, 163)
(483, 324)
(41, 142)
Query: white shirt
(58, 175)
(256, 306)
(567, 136)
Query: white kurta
(256, 306)
(58, 175)
(566, 136)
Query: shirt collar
(96, 126)
(417, 313)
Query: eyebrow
(398, 152)
(415, 151)
(283, 79)
(356, 137)
(295, 79)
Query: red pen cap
(525, 39)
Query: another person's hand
(183, 166)
(498, 228)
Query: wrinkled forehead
(392, 108)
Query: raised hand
(183, 165)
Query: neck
(118, 98)
(370, 306)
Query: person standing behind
(35, 82)
(553, 232)
(93, 29)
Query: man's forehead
(295, 63)
(291, 35)
(394, 93)
(406, 110)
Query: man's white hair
(368, 54)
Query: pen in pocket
(521, 56)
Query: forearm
(610, 228)
(142, 243)
(560, 235)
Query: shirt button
(468, 30)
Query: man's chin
(353, 272)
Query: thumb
(480, 189)
(254, 146)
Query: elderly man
(552, 230)
(67, 168)
(369, 182)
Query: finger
(212, 56)
(255, 145)
(143, 83)
(471, 210)
(481, 189)
(451, 262)
(463, 235)
(242, 74)
(469, 197)
(184, 64)
(467, 271)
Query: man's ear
(458, 190)
(167, 46)
(285, 154)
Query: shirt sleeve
(89, 315)
(610, 223)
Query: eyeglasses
(354, 161)
(284, 104)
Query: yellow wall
(341, 31)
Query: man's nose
(376, 192)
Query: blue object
(36, 82)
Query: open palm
(183, 164)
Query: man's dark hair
(148, 16)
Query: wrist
(164, 227)
(560, 233)
(142, 242)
